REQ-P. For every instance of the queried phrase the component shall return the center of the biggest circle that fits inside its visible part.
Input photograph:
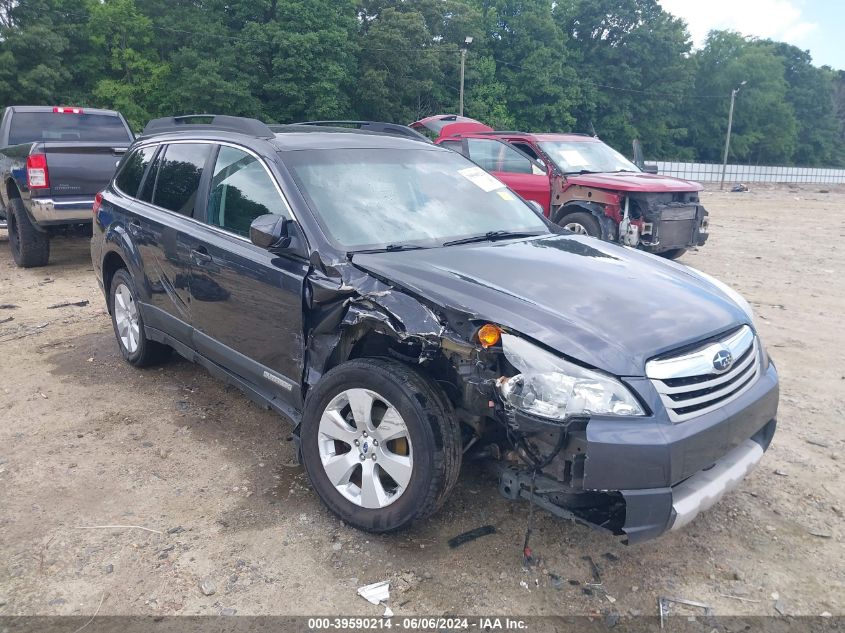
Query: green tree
(810, 93)
(765, 127)
(534, 63)
(633, 60)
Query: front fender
(608, 226)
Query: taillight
(98, 202)
(36, 171)
(66, 110)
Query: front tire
(674, 253)
(30, 247)
(128, 324)
(380, 444)
(582, 223)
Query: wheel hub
(126, 319)
(365, 448)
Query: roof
(340, 138)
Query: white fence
(710, 172)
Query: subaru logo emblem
(722, 361)
(365, 447)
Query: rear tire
(136, 348)
(349, 418)
(674, 253)
(582, 223)
(30, 247)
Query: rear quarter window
(132, 172)
(29, 127)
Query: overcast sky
(814, 25)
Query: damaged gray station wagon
(406, 310)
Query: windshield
(375, 198)
(573, 157)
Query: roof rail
(377, 127)
(242, 125)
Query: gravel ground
(227, 522)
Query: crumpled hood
(608, 306)
(625, 181)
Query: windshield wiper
(582, 172)
(390, 248)
(490, 236)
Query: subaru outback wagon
(404, 309)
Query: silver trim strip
(52, 210)
(699, 362)
(707, 384)
(713, 395)
(705, 488)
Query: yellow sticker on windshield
(505, 195)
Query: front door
(246, 302)
(518, 171)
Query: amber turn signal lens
(489, 335)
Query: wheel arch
(607, 225)
(112, 262)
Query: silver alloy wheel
(365, 448)
(126, 318)
(576, 227)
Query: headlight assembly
(551, 387)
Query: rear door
(247, 302)
(162, 231)
(512, 167)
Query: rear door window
(28, 127)
(132, 172)
(241, 190)
(455, 146)
(494, 155)
(178, 176)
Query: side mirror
(650, 168)
(536, 206)
(271, 232)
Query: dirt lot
(85, 440)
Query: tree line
(625, 68)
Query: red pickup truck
(583, 184)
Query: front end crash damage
(579, 443)
(660, 222)
(351, 313)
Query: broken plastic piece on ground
(663, 607)
(66, 304)
(388, 612)
(471, 535)
(376, 592)
(594, 569)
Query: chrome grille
(689, 385)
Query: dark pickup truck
(53, 161)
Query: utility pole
(728, 137)
(467, 42)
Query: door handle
(200, 255)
